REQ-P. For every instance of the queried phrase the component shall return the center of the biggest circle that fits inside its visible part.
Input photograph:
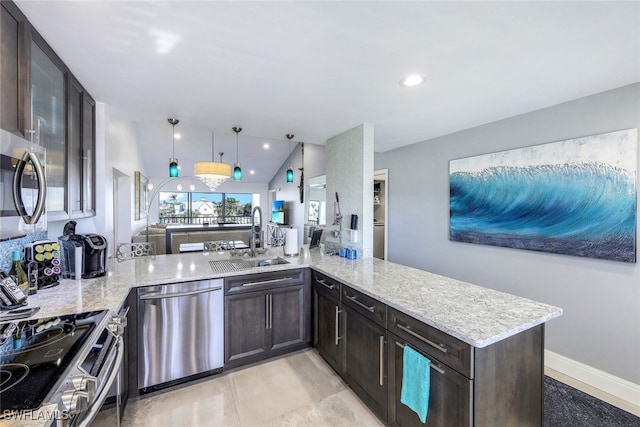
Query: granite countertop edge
(476, 315)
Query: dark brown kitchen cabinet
(14, 85)
(81, 149)
(47, 122)
(246, 327)
(266, 315)
(496, 385)
(289, 315)
(328, 336)
(350, 334)
(449, 393)
(43, 102)
(88, 155)
(366, 360)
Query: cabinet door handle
(423, 339)
(267, 282)
(337, 325)
(366, 307)
(270, 311)
(431, 365)
(179, 294)
(323, 283)
(315, 318)
(381, 360)
(266, 311)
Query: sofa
(158, 235)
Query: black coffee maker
(91, 248)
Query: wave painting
(574, 197)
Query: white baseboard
(618, 387)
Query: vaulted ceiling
(316, 68)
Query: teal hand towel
(416, 379)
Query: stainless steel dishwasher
(181, 332)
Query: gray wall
(314, 165)
(601, 299)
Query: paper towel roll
(291, 241)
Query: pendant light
(212, 173)
(237, 171)
(290, 170)
(173, 162)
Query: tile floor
(296, 390)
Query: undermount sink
(267, 262)
(236, 264)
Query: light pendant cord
(173, 163)
(289, 175)
(237, 171)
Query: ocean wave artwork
(573, 197)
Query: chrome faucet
(253, 229)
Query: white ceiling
(316, 69)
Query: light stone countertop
(476, 315)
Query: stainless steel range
(69, 361)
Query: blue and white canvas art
(574, 197)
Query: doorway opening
(380, 213)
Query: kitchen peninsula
(483, 338)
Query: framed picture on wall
(572, 197)
(141, 192)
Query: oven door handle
(42, 188)
(96, 405)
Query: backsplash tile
(9, 245)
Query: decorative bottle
(18, 274)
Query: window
(237, 206)
(199, 208)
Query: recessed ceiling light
(413, 80)
(266, 146)
(251, 172)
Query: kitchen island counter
(476, 315)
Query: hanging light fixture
(237, 171)
(173, 162)
(290, 170)
(212, 173)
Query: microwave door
(29, 164)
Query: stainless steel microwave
(23, 186)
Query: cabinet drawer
(326, 285)
(450, 394)
(435, 343)
(369, 307)
(261, 281)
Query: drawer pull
(338, 311)
(366, 307)
(266, 311)
(431, 365)
(267, 282)
(323, 283)
(381, 360)
(423, 339)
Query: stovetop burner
(11, 374)
(34, 354)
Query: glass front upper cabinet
(48, 126)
